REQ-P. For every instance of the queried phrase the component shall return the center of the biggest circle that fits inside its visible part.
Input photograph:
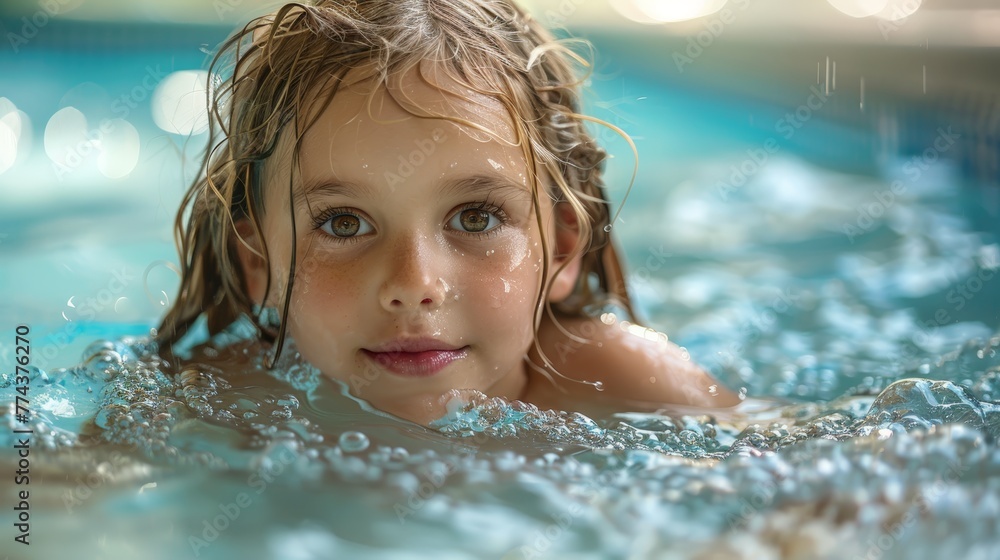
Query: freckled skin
(412, 274)
(408, 271)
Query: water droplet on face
(599, 385)
(713, 390)
(506, 286)
(445, 287)
(490, 252)
(652, 380)
(353, 442)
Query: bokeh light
(179, 104)
(10, 132)
(632, 12)
(8, 146)
(896, 10)
(119, 149)
(860, 8)
(678, 10)
(25, 136)
(66, 136)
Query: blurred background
(102, 121)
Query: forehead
(369, 122)
(426, 90)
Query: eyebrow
(477, 184)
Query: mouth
(415, 357)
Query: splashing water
(840, 470)
(873, 433)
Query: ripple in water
(839, 470)
(882, 443)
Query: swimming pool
(847, 281)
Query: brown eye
(474, 220)
(346, 225)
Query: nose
(413, 281)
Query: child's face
(419, 255)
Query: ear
(252, 264)
(567, 238)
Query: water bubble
(353, 442)
(399, 454)
(96, 349)
(119, 301)
(599, 385)
(743, 393)
(607, 228)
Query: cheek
(325, 297)
(505, 284)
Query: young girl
(406, 190)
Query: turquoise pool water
(859, 313)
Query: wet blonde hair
(269, 73)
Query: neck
(512, 386)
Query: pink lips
(418, 357)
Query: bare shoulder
(631, 362)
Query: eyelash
(323, 217)
(486, 206)
(497, 210)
